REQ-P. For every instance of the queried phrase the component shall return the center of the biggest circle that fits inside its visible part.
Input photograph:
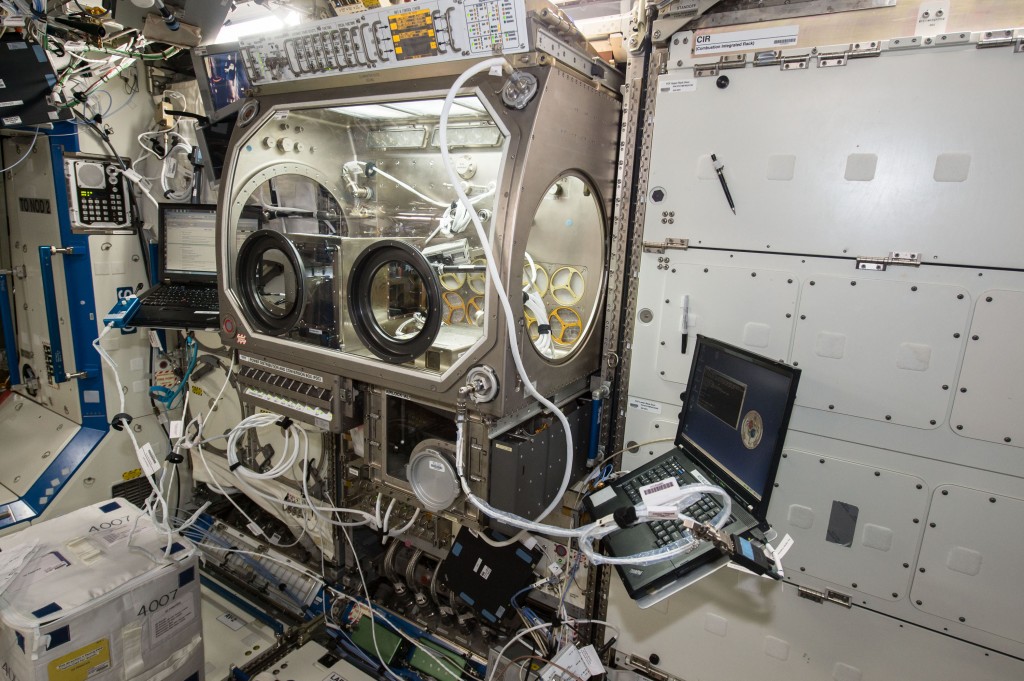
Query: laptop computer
(731, 433)
(186, 295)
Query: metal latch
(667, 244)
(905, 258)
(767, 58)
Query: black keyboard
(194, 297)
(669, 531)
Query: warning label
(83, 664)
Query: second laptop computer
(731, 433)
(186, 295)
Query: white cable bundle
(295, 442)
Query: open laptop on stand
(186, 295)
(731, 432)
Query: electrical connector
(752, 557)
(164, 119)
(121, 314)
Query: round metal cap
(433, 479)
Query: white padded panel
(987, 403)
(964, 572)
(885, 537)
(919, 181)
(744, 306)
(878, 348)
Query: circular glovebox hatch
(269, 279)
(394, 301)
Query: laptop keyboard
(669, 531)
(195, 297)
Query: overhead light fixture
(269, 23)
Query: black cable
(188, 114)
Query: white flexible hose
(510, 322)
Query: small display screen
(227, 78)
(413, 34)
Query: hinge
(854, 51)
(667, 244)
(648, 669)
(837, 598)
(905, 258)
(767, 58)
(795, 63)
(996, 38)
(705, 70)
(346, 395)
(733, 61)
(822, 596)
(730, 61)
(833, 59)
(811, 594)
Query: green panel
(387, 641)
(424, 663)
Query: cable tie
(285, 423)
(235, 465)
(543, 329)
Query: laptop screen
(188, 240)
(189, 234)
(736, 414)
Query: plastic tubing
(492, 270)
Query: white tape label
(700, 476)
(644, 405)
(660, 493)
(783, 548)
(674, 85)
(147, 458)
(232, 621)
(755, 39)
(172, 618)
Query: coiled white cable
(294, 438)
